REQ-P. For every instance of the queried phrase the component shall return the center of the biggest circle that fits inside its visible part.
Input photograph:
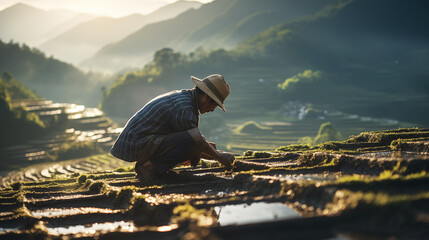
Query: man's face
(206, 104)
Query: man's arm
(206, 156)
(224, 158)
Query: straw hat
(215, 87)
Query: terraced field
(49, 170)
(72, 123)
(255, 92)
(282, 131)
(373, 186)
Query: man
(164, 133)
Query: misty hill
(350, 32)
(373, 56)
(24, 23)
(222, 23)
(85, 39)
(357, 56)
(68, 24)
(49, 77)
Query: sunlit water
(67, 197)
(253, 213)
(306, 177)
(5, 230)
(54, 212)
(398, 155)
(124, 226)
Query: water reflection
(253, 213)
(53, 212)
(5, 230)
(393, 154)
(123, 226)
(328, 176)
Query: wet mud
(371, 186)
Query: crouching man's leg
(176, 148)
(145, 171)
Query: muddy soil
(372, 186)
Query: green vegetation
(16, 89)
(250, 127)
(240, 19)
(302, 85)
(331, 190)
(416, 144)
(326, 133)
(307, 76)
(75, 150)
(209, 163)
(186, 214)
(169, 70)
(386, 137)
(316, 64)
(17, 124)
(125, 197)
(377, 141)
(257, 154)
(294, 148)
(124, 169)
(50, 78)
(110, 175)
(95, 186)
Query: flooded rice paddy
(253, 213)
(121, 226)
(328, 192)
(73, 123)
(55, 212)
(372, 186)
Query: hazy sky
(115, 8)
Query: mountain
(222, 23)
(373, 56)
(69, 24)
(357, 56)
(24, 23)
(85, 39)
(359, 35)
(49, 77)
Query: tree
(326, 133)
(166, 58)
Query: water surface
(253, 213)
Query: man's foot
(145, 171)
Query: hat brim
(201, 85)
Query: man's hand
(226, 159)
(209, 151)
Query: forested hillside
(370, 62)
(48, 77)
(372, 55)
(218, 24)
(17, 124)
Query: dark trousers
(174, 149)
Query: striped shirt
(172, 112)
